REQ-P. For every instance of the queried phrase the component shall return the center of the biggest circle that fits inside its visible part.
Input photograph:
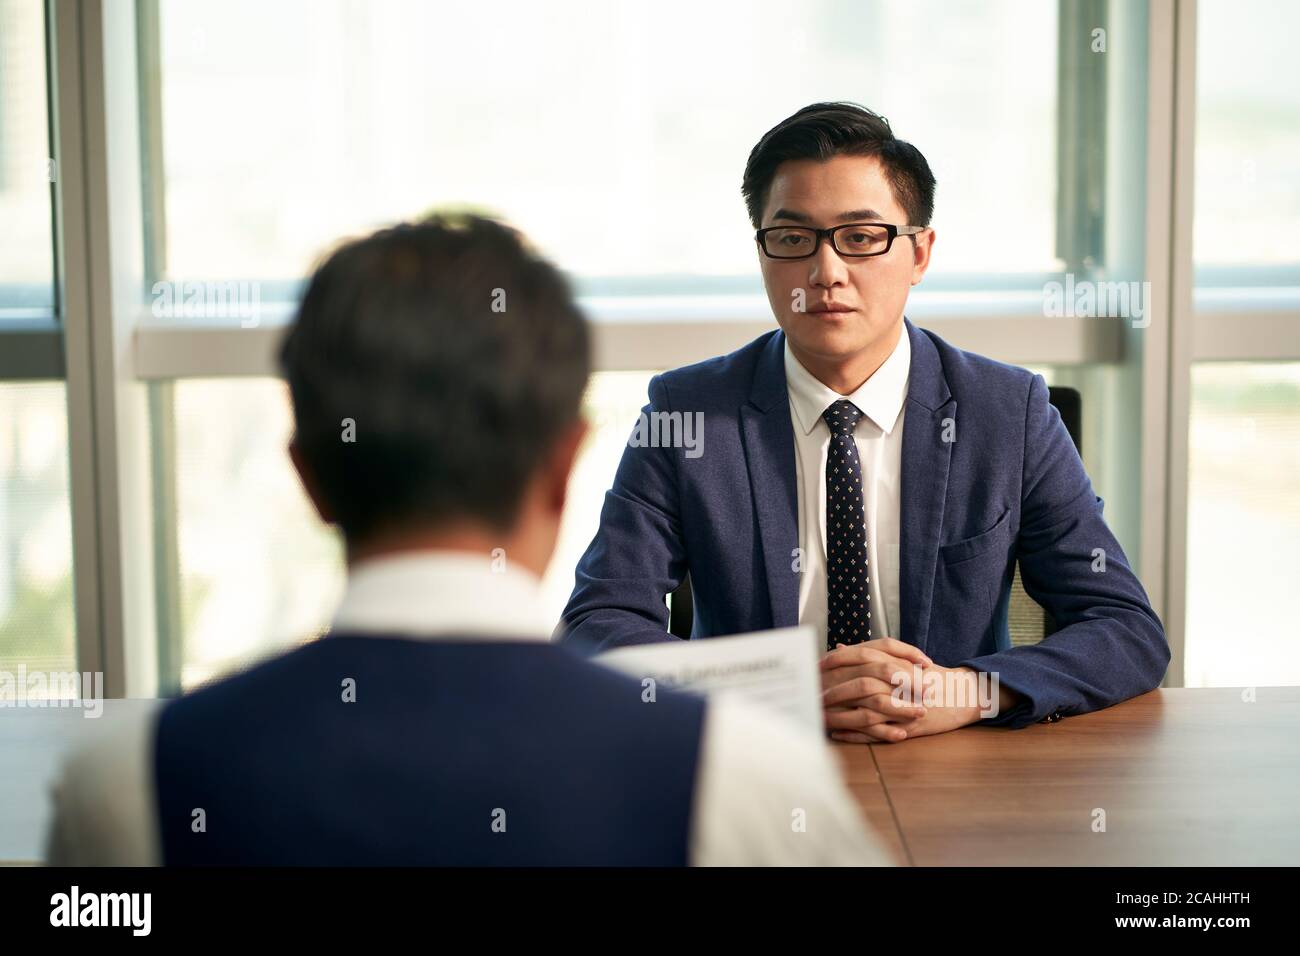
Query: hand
(872, 688)
(950, 696)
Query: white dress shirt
(879, 441)
(758, 780)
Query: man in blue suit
(862, 475)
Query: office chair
(1027, 622)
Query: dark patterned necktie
(848, 597)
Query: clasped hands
(886, 690)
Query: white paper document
(773, 669)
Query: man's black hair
(824, 130)
(459, 356)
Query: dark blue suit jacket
(443, 738)
(1008, 485)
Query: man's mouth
(830, 307)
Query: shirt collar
(453, 594)
(880, 398)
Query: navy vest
(454, 753)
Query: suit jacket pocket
(985, 541)
(966, 587)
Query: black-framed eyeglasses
(857, 240)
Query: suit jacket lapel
(768, 436)
(927, 450)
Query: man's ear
(921, 255)
(560, 466)
(309, 484)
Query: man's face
(872, 291)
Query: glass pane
(1247, 141)
(1243, 524)
(259, 572)
(379, 96)
(26, 170)
(612, 403)
(37, 628)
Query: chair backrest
(1026, 620)
(681, 610)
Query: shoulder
(724, 378)
(289, 678)
(103, 798)
(975, 377)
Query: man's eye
(792, 240)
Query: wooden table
(1179, 777)
(1185, 777)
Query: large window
(615, 134)
(145, 493)
(257, 571)
(1247, 141)
(1243, 538)
(379, 112)
(26, 166)
(36, 618)
(37, 629)
(1243, 517)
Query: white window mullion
(1166, 345)
(100, 257)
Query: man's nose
(826, 268)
